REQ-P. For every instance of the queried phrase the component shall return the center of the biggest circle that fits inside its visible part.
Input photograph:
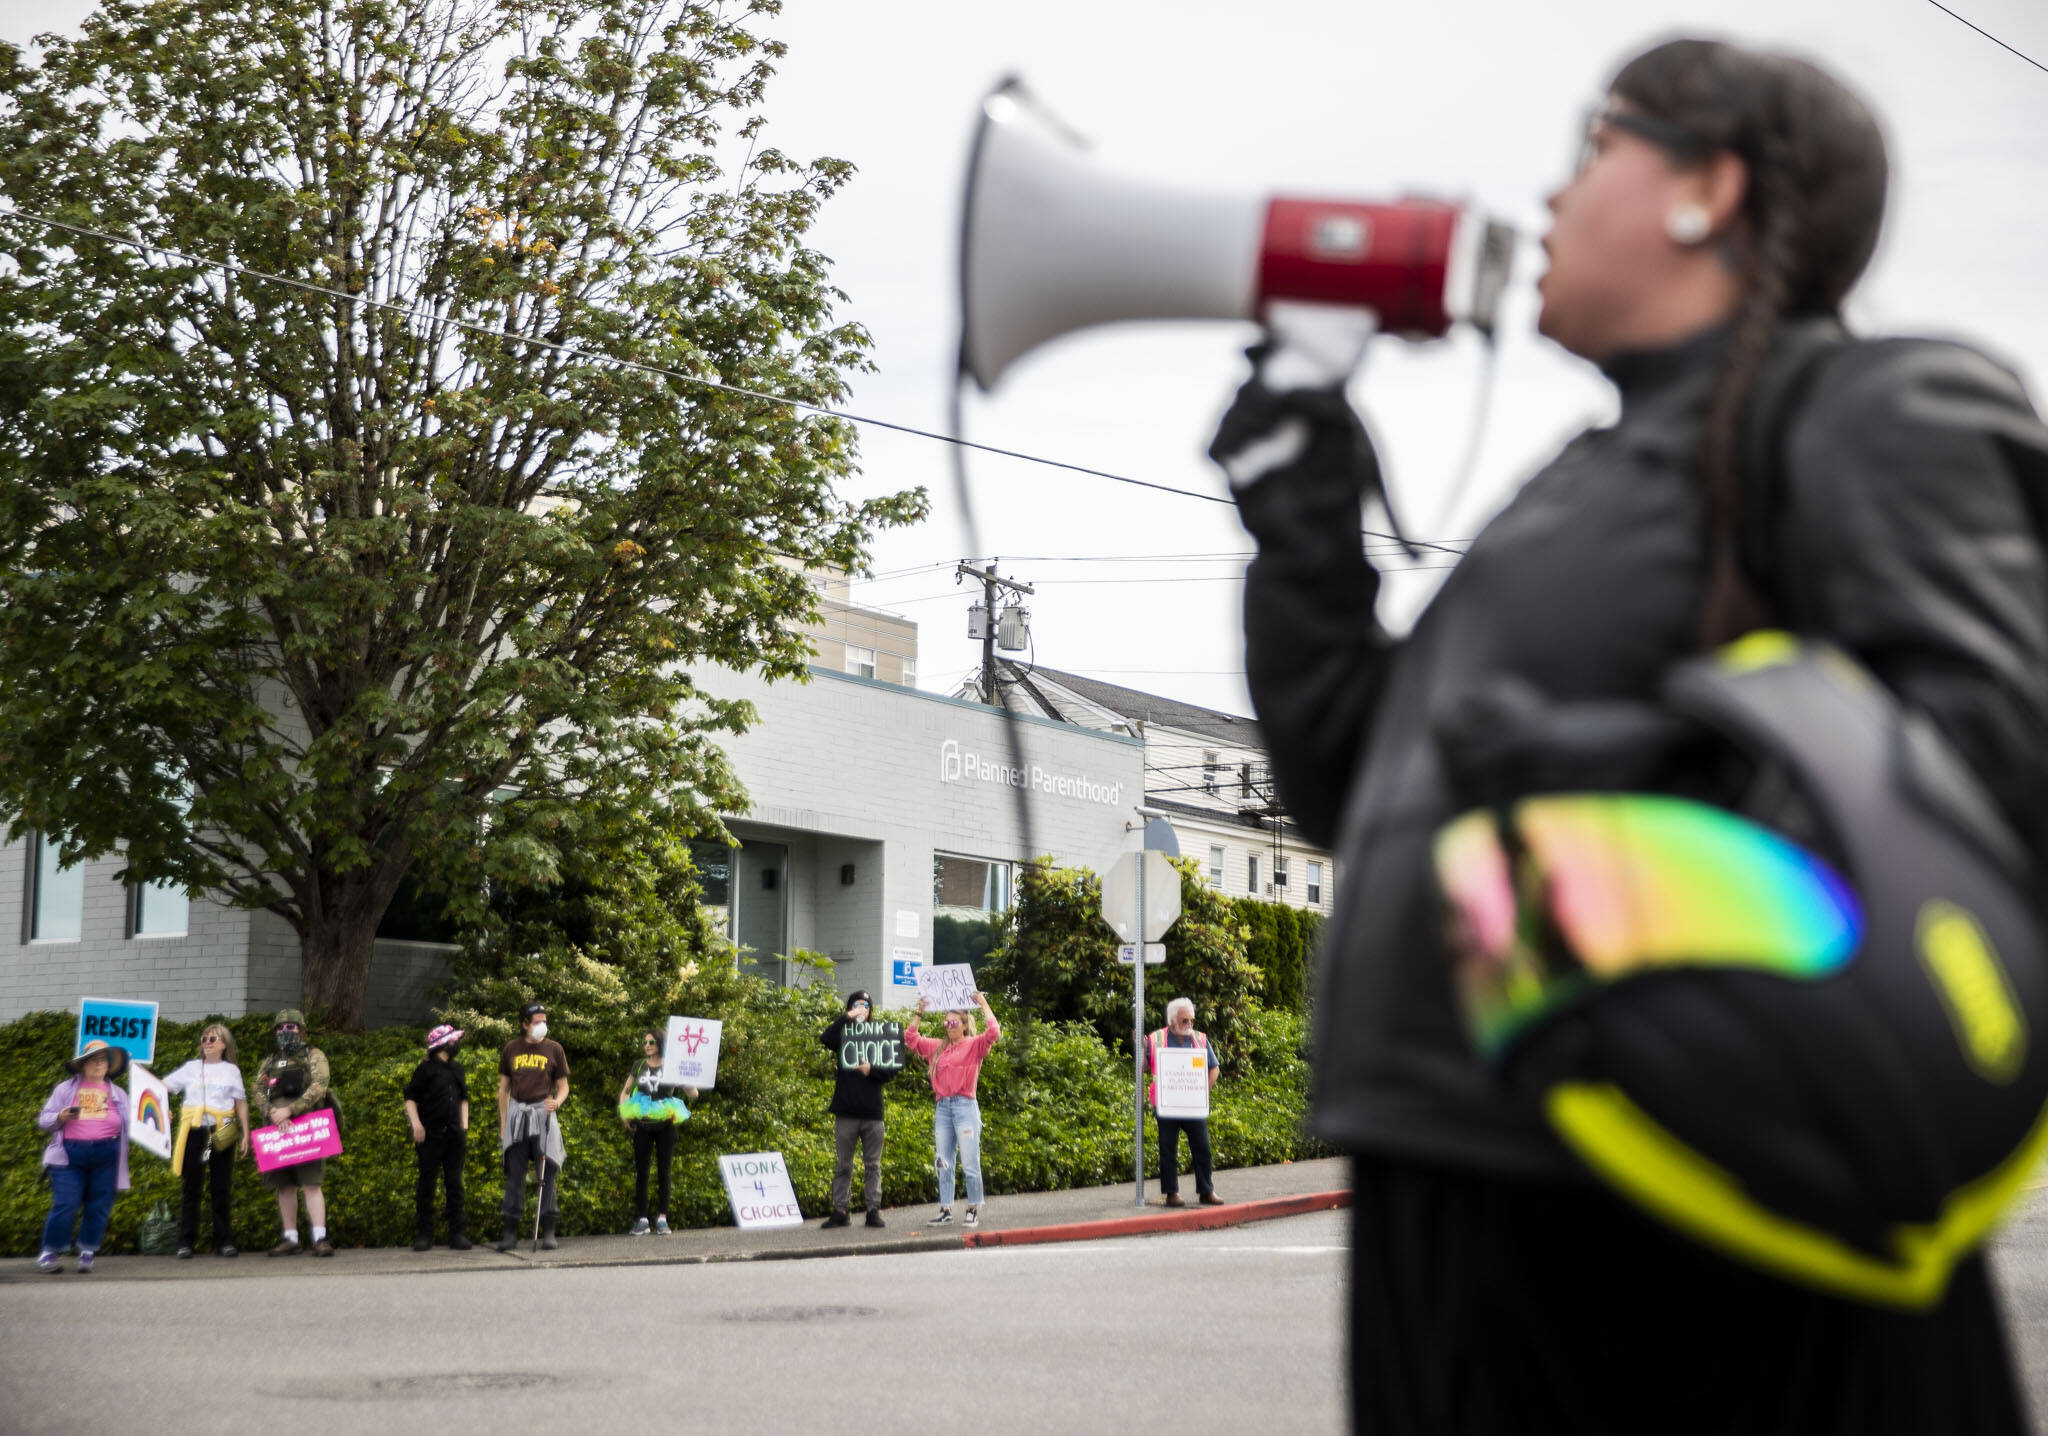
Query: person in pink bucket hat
(437, 1107)
(87, 1156)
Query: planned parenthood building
(883, 821)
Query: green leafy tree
(1057, 957)
(304, 590)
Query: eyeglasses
(1664, 134)
(209, 1037)
(289, 1027)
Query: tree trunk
(334, 966)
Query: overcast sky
(1459, 98)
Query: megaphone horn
(1051, 243)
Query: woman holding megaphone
(1723, 203)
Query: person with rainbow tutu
(652, 1112)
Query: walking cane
(540, 1185)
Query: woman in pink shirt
(956, 1120)
(87, 1119)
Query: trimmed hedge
(1057, 1109)
(1281, 942)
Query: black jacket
(437, 1090)
(853, 1094)
(1903, 537)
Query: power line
(574, 352)
(1989, 36)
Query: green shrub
(1281, 943)
(1057, 958)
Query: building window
(910, 673)
(969, 897)
(161, 910)
(1210, 770)
(969, 886)
(1315, 884)
(1252, 885)
(1244, 781)
(714, 862)
(1279, 872)
(860, 661)
(1215, 867)
(56, 896)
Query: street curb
(1194, 1219)
(837, 1249)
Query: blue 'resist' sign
(127, 1025)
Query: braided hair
(1811, 214)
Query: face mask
(291, 1041)
(540, 1030)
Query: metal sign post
(1142, 917)
(1138, 1049)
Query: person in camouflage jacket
(293, 1081)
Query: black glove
(1321, 418)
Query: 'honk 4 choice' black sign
(879, 1044)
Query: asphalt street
(1237, 1329)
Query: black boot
(424, 1242)
(510, 1240)
(547, 1234)
(458, 1240)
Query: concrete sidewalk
(1088, 1213)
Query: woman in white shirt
(216, 1110)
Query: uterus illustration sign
(689, 1053)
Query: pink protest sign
(290, 1143)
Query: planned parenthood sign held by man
(948, 987)
(879, 1044)
(757, 1184)
(689, 1054)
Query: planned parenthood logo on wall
(963, 765)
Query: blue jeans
(956, 1123)
(87, 1183)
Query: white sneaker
(945, 1215)
(640, 1228)
(973, 1217)
(661, 1226)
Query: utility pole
(986, 577)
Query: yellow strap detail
(1762, 648)
(1657, 1171)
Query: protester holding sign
(1179, 1032)
(293, 1081)
(856, 1114)
(213, 1123)
(533, 1083)
(87, 1156)
(651, 1111)
(956, 1119)
(437, 1110)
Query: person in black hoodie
(856, 1118)
(1725, 203)
(437, 1108)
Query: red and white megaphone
(1052, 243)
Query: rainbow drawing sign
(149, 1111)
(290, 1143)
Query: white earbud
(1688, 223)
